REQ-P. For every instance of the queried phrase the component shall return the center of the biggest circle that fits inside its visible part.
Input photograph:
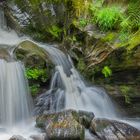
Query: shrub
(108, 17)
(55, 31)
(36, 74)
(106, 71)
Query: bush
(36, 74)
(55, 31)
(106, 71)
(107, 18)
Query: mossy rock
(61, 126)
(37, 63)
(4, 54)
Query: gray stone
(106, 129)
(62, 126)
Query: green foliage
(83, 22)
(133, 13)
(107, 18)
(36, 74)
(34, 89)
(55, 31)
(124, 36)
(125, 29)
(125, 25)
(106, 71)
(125, 92)
(81, 65)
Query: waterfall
(15, 100)
(7, 35)
(68, 86)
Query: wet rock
(17, 137)
(61, 126)
(106, 129)
(85, 118)
(4, 54)
(47, 103)
(27, 48)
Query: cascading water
(68, 87)
(15, 100)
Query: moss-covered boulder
(61, 126)
(4, 54)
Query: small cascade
(15, 100)
(7, 35)
(69, 91)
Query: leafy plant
(83, 22)
(108, 17)
(36, 74)
(106, 71)
(34, 89)
(55, 31)
(133, 13)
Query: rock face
(123, 84)
(113, 130)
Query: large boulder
(106, 129)
(62, 125)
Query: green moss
(109, 37)
(134, 41)
(81, 66)
(125, 90)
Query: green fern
(106, 71)
(133, 13)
